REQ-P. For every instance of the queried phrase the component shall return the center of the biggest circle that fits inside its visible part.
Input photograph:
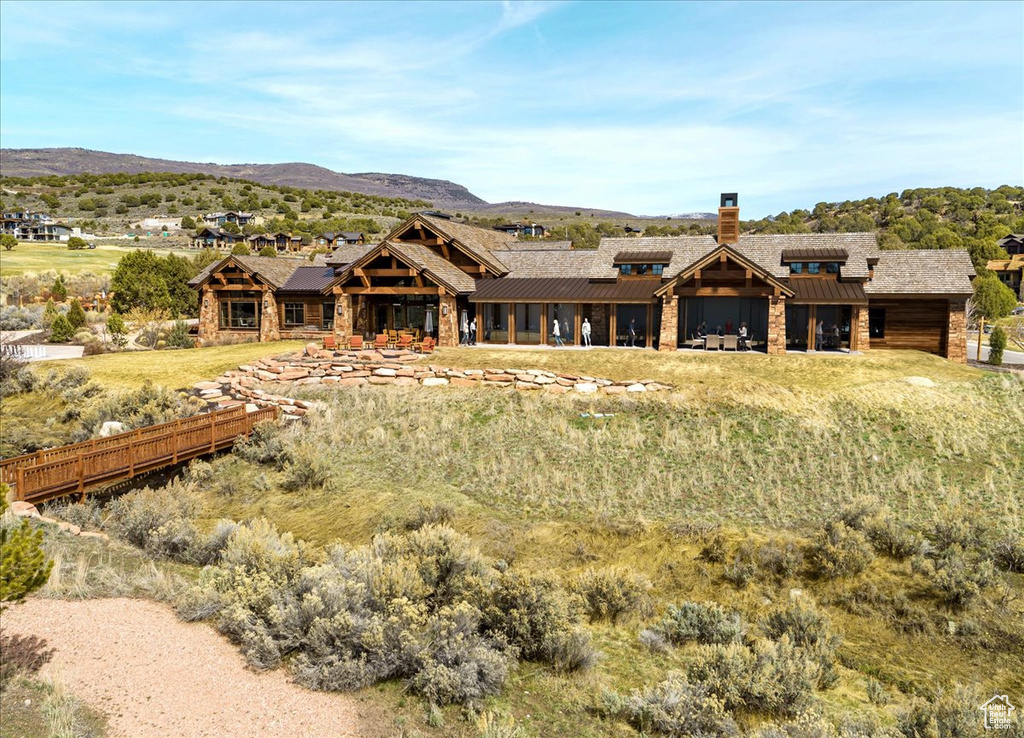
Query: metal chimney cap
(730, 200)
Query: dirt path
(154, 676)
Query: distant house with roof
(26, 225)
(433, 271)
(1010, 272)
(1014, 243)
(332, 240)
(215, 238)
(521, 229)
(231, 216)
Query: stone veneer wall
(776, 341)
(269, 321)
(209, 319)
(447, 325)
(669, 336)
(247, 384)
(956, 332)
(343, 326)
(860, 324)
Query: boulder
(585, 388)
(464, 382)
(24, 509)
(614, 389)
(112, 427)
(312, 349)
(636, 388)
(352, 381)
(434, 381)
(385, 372)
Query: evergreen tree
(116, 329)
(50, 313)
(996, 346)
(23, 564)
(268, 250)
(59, 290)
(993, 298)
(76, 315)
(8, 241)
(138, 281)
(240, 249)
(61, 331)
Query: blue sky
(652, 108)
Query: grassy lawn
(42, 257)
(175, 369)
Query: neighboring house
(231, 216)
(430, 272)
(287, 243)
(332, 240)
(28, 226)
(1010, 272)
(1014, 243)
(521, 229)
(260, 241)
(215, 238)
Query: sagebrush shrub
(876, 693)
(608, 594)
(960, 578)
(771, 676)
(893, 538)
(782, 559)
(528, 611)
(306, 468)
(161, 520)
(434, 513)
(704, 622)
(674, 707)
(810, 630)
(956, 528)
(265, 445)
(570, 651)
(839, 551)
(1008, 553)
(856, 513)
(713, 551)
(84, 514)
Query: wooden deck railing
(55, 472)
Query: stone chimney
(729, 219)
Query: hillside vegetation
(117, 203)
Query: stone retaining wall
(249, 383)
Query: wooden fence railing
(55, 472)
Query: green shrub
(608, 594)
(84, 514)
(306, 468)
(713, 551)
(955, 528)
(178, 336)
(61, 331)
(264, 445)
(996, 346)
(434, 513)
(772, 676)
(781, 559)
(876, 693)
(528, 611)
(76, 315)
(892, 538)
(675, 707)
(839, 551)
(704, 622)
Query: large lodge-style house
(435, 274)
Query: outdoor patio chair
(729, 343)
(355, 343)
(393, 336)
(712, 342)
(329, 343)
(405, 341)
(426, 346)
(381, 341)
(695, 341)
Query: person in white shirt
(585, 332)
(556, 331)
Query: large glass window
(631, 325)
(294, 313)
(495, 319)
(813, 267)
(238, 314)
(796, 268)
(565, 314)
(876, 322)
(625, 269)
(327, 316)
(528, 322)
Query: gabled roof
(922, 272)
(767, 250)
(541, 245)
(272, 270)
(684, 250)
(477, 242)
(713, 257)
(351, 235)
(537, 264)
(416, 255)
(347, 253)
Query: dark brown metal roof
(819, 254)
(812, 291)
(643, 257)
(308, 279)
(564, 290)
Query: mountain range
(441, 193)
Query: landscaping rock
(24, 509)
(434, 381)
(585, 388)
(111, 427)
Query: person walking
(464, 329)
(819, 335)
(556, 331)
(632, 332)
(585, 332)
(472, 332)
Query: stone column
(209, 314)
(776, 341)
(669, 336)
(956, 332)
(447, 325)
(342, 318)
(860, 336)
(269, 322)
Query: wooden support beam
(392, 272)
(649, 341)
(511, 322)
(392, 290)
(812, 322)
(749, 275)
(723, 291)
(577, 326)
